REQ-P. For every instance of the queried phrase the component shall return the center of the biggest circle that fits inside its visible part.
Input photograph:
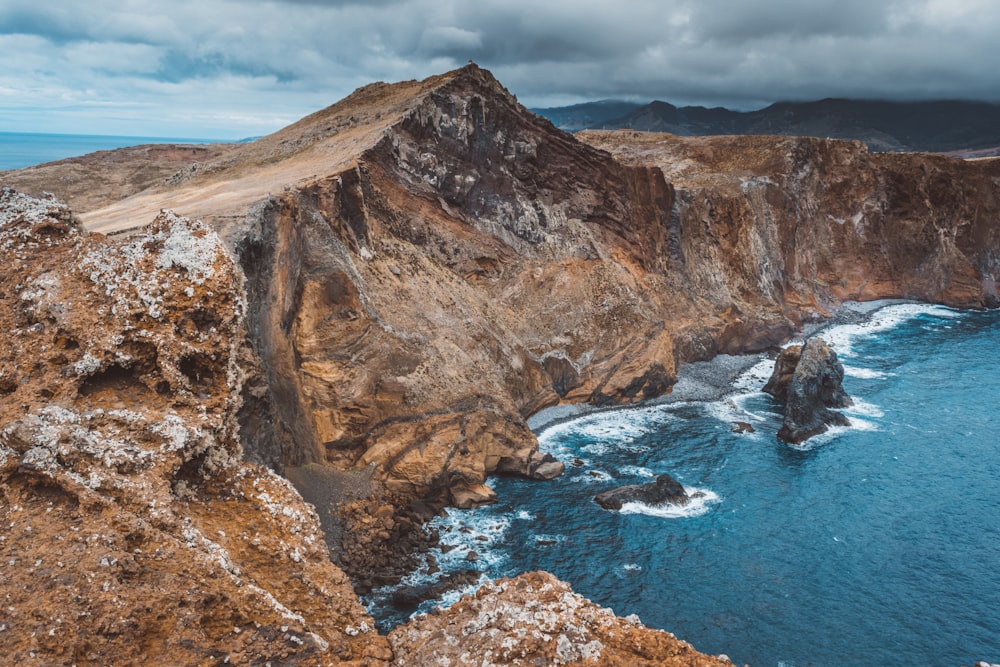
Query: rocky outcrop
(134, 532)
(535, 619)
(808, 379)
(664, 491)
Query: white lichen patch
(190, 246)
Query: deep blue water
(879, 544)
(21, 149)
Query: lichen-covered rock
(134, 532)
(809, 380)
(535, 619)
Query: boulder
(809, 379)
(545, 467)
(467, 496)
(664, 491)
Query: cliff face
(472, 265)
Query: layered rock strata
(808, 379)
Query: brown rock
(469, 496)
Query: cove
(875, 543)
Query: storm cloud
(227, 68)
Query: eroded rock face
(809, 380)
(535, 619)
(665, 490)
(134, 532)
(473, 265)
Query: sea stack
(809, 380)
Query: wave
(733, 409)
(863, 408)
(835, 431)
(695, 507)
(753, 379)
(636, 471)
(842, 337)
(863, 373)
(613, 428)
(591, 476)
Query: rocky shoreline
(712, 380)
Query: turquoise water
(877, 544)
(20, 149)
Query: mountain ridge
(887, 126)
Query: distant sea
(24, 149)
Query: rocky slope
(134, 531)
(551, 624)
(474, 265)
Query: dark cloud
(247, 66)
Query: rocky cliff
(426, 265)
(474, 265)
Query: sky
(229, 69)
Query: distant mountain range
(944, 126)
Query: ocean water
(877, 543)
(21, 149)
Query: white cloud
(233, 68)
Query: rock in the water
(809, 379)
(545, 467)
(408, 598)
(664, 491)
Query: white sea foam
(614, 428)
(843, 336)
(862, 408)
(733, 409)
(753, 379)
(627, 570)
(591, 476)
(695, 507)
(636, 471)
(462, 531)
(863, 373)
(835, 431)
(524, 515)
